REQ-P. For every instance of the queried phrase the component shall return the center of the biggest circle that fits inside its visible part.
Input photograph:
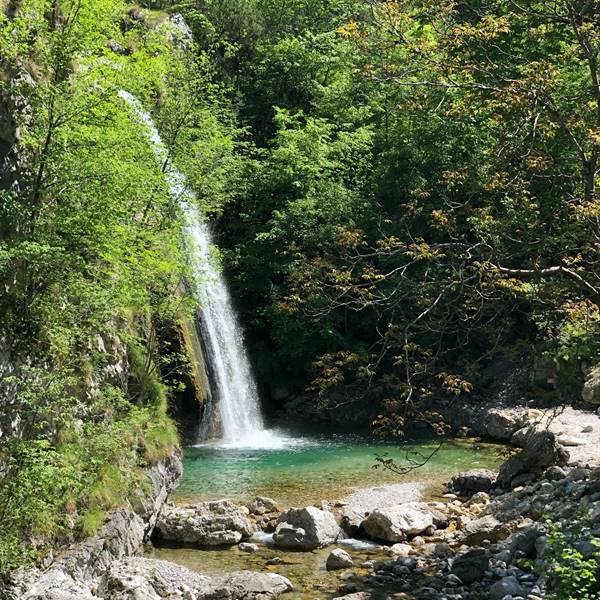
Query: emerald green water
(320, 467)
(306, 471)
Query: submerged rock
(218, 523)
(305, 529)
(339, 559)
(395, 523)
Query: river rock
(473, 481)
(591, 387)
(541, 452)
(395, 523)
(485, 528)
(305, 529)
(339, 559)
(261, 505)
(217, 523)
(149, 579)
(400, 550)
(361, 503)
(501, 423)
(471, 566)
(507, 586)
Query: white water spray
(235, 395)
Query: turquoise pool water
(322, 467)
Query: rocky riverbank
(105, 567)
(487, 538)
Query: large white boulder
(396, 523)
(218, 523)
(305, 529)
(148, 579)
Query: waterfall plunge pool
(306, 470)
(315, 467)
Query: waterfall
(235, 398)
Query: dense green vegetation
(90, 261)
(420, 196)
(404, 191)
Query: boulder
(395, 523)
(591, 387)
(471, 566)
(339, 559)
(555, 473)
(249, 548)
(217, 523)
(507, 586)
(541, 452)
(261, 505)
(359, 505)
(305, 529)
(521, 437)
(473, 481)
(149, 579)
(501, 423)
(485, 528)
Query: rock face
(147, 579)
(219, 523)
(471, 482)
(339, 559)
(542, 452)
(591, 388)
(73, 575)
(395, 523)
(305, 529)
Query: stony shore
(487, 538)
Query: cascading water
(235, 394)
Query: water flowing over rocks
(306, 529)
(217, 523)
(485, 551)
